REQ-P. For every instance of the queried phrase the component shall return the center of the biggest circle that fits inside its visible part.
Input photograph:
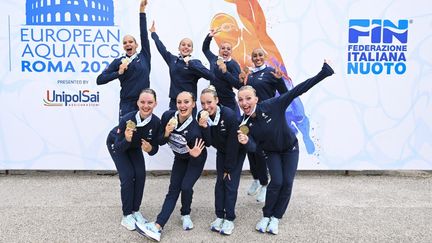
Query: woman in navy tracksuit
(184, 71)
(268, 130)
(226, 72)
(187, 140)
(142, 134)
(230, 156)
(266, 81)
(132, 69)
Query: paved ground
(325, 207)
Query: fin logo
(70, 12)
(378, 30)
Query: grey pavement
(325, 207)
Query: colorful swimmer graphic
(254, 35)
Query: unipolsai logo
(377, 46)
(63, 36)
(78, 98)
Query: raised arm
(206, 46)
(166, 55)
(145, 44)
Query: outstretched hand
(197, 149)
(152, 28)
(143, 4)
(277, 73)
(213, 32)
(243, 75)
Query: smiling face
(185, 105)
(185, 47)
(258, 57)
(209, 103)
(247, 100)
(225, 50)
(146, 103)
(129, 45)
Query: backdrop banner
(373, 114)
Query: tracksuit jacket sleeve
(206, 49)
(206, 135)
(166, 55)
(145, 43)
(110, 73)
(232, 147)
(280, 86)
(121, 144)
(155, 142)
(155, 148)
(232, 76)
(285, 99)
(251, 144)
(200, 70)
(164, 121)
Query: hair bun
(211, 87)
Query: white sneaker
(187, 222)
(273, 226)
(216, 225)
(139, 217)
(128, 221)
(227, 227)
(262, 225)
(149, 230)
(261, 196)
(254, 187)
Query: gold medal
(173, 122)
(244, 129)
(131, 125)
(125, 60)
(219, 61)
(204, 114)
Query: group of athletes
(260, 131)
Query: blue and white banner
(372, 114)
